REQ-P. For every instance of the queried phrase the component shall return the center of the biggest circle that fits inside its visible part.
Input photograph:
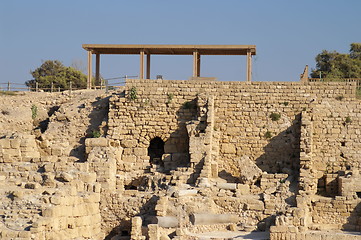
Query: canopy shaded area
(156, 49)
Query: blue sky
(288, 34)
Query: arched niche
(156, 151)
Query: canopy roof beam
(195, 50)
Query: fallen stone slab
(208, 219)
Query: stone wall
(46, 197)
(329, 189)
(258, 120)
(259, 138)
(19, 148)
(330, 163)
(338, 213)
(72, 213)
(336, 139)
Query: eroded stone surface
(217, 153)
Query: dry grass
(8, 93)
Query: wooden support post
(196, 64)
(52, 87)
(141, 71)
(249, 65)
(8, 85)
(36, 86)
(90, 72)
(97, 68)
(148, 66)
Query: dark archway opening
(156, 151)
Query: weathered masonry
(165, 159)
(237, 140)
(148, 50)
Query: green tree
(338, 65)
(61, 76)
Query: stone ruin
(165, 159)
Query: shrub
(170, 97)
(96, 134)
(133, 94)
(348, 120)
(275, 116)
(268, 135)
(53, 72)
(34, 111)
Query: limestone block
(278, 229)
(186, 192)
(7, 158)
(92, 208)
(79, 210)
(38, 229)
(208, 219)
(243, 189)
(15, 143)
(73, 191)
(30, 154)
(196, 157)
(56, 200)
(227, 186)
(66, 177)
(56, 151)
(255, 205)
(5, 143)
(129, 158)
(136, 227)
(88, 177)
(96, 142)
(249, 172)
(128, 151)
(49, 158)
(153, 232)
(86, 232)
(10, 234)
(50, 212)
(228, 148)
(12, 152)
(140, 151)
(129, 143)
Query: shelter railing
(357, 80)
(107, 84)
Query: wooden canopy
(154, 49)
(170, 49)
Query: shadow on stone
(282, 153)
